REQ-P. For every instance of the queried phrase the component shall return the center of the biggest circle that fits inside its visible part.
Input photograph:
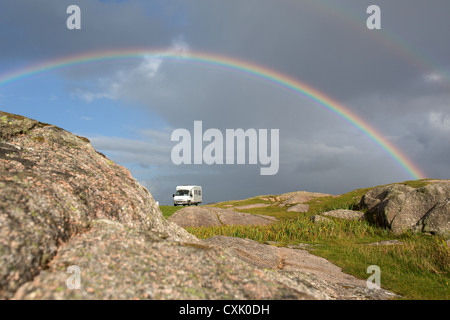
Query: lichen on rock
(63, 204)
(52, 189)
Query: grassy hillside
(419, 268)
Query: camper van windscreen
(182, 192)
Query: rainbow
(245, 67)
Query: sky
(397, 79)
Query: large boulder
(53, 184)
(377, 198)
(437, 220)
(402, 208)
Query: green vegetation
(245, 202)
(167, 211)
(296, 230)
(419, 268)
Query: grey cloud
(105, 25)
(319, 164)
(124, 151)
(392, 78)
(326, 43)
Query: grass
(293, 231)
(244, 202)
(167, 211)
(417, 269)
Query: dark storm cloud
(37, 29)
(326, 43)
(323, 43)
(395, 78)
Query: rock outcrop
(298, 208)
(297, 197)
(316, 276)
(345, 214)
(117, 262)
(339, 214)
(211, 216)
(402, 208)
(293, 201)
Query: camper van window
(182, 192)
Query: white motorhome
(187, 195)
